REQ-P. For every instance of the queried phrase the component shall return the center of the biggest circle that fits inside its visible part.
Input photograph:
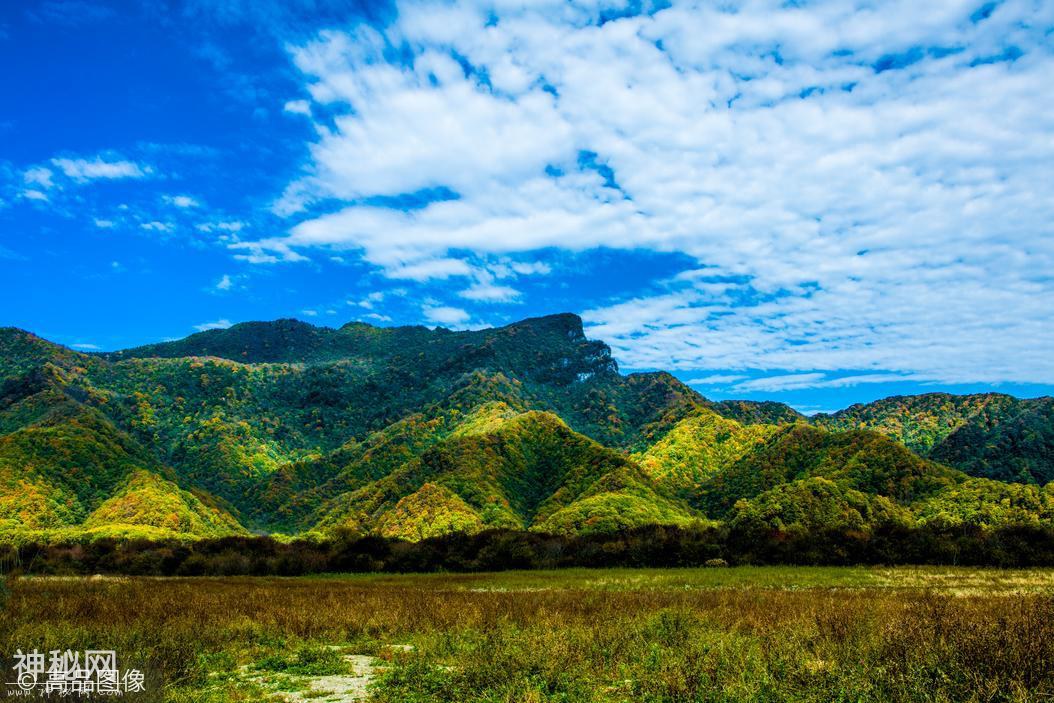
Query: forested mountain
(990, 434)
(412, 432)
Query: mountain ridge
(285, 426)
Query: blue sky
(816, 202)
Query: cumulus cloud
(863, 187)
(298, 107)
(214, 325)
(445, 315)
(231, 227)
(489, 292)
(157, 226)
(369, 301)
(181, 201)
(38, 176)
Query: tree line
(498, 550)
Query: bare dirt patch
(335, 688)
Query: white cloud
(266, 252)
(445, 315)
(157, 226)
(945, 325)
(232, 227)
(225, 283)
(83, 170)
(34, 195)
(431, 269)
(843, 215)
(298, 107)
(799, 381)
(369, 301)
(85, 346)
(309, 313)
(715, 380)
(214, 325)
(786, 382)
(104, 224)
(39, 176)
(507, 268)
(488, 292)
(181, 201)
(405, 132)
(527, 268)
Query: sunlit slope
(530, 471)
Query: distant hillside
(411, 432)
(990, 434)
(751, 412)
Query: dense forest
(407, 435)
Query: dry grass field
(740, 634)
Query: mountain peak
(566, 323)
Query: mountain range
(288, 428)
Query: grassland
(740, 634)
